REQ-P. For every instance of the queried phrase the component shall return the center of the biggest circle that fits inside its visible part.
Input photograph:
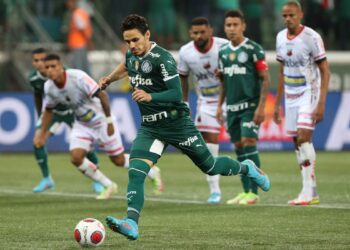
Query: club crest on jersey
(232, 56)
(136, 65)
(146, 66)
(289, 53)
(242, 57)
(206, 65)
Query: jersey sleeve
(89, 85)
(279, 56)
(220, 62)
(317, 48)
(35, 84)
(49, 99)
(259, 58)
(182, 67)
(168, 72)
(168, 69)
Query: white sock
(300, 163)
(213, 180)
(152, 173)
(299, 160)
(90, 170)
(127, 160)
(308, 157)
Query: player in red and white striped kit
(304, 77)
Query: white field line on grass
(165, 200)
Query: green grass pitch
(180, 218)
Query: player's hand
(218, 73)
(259, 115)
(104, 82)
(110, 129)
(140, 95)
(318, 114)
(39, 140)
(276, 115)
(219, 115)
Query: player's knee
(302, 139)
(36, 142)
(118, 160)
(207, 166)
(76, 159)
(138, 170)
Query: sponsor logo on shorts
(189, 141)
(249, 125)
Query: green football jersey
(241, 80)
(150, 74)
(37, 81)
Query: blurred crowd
(169, 19)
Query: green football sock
(41, 158)
(223, 165)
(92, 156)
(244, 179)
(138, 171)
(252, 153)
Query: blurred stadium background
(46, 221)
(28, 24)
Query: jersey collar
(211, 41)
(64, 80)
(238, 46)
(152, 46)
(40, 76)
(297, 34)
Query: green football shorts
(240, 124)
(181, 133)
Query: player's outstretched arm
(118, 73)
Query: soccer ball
(89, 232)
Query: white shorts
(299, 109)
(85, 137)
(205, 119)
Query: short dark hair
(200, 21)
(134, 21)
(39, 51)
(294, 3)
(51, 57)
(235, 13)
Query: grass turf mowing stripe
(165, 200)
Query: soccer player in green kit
(244, 86)
(37, 78)
(165, 120)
